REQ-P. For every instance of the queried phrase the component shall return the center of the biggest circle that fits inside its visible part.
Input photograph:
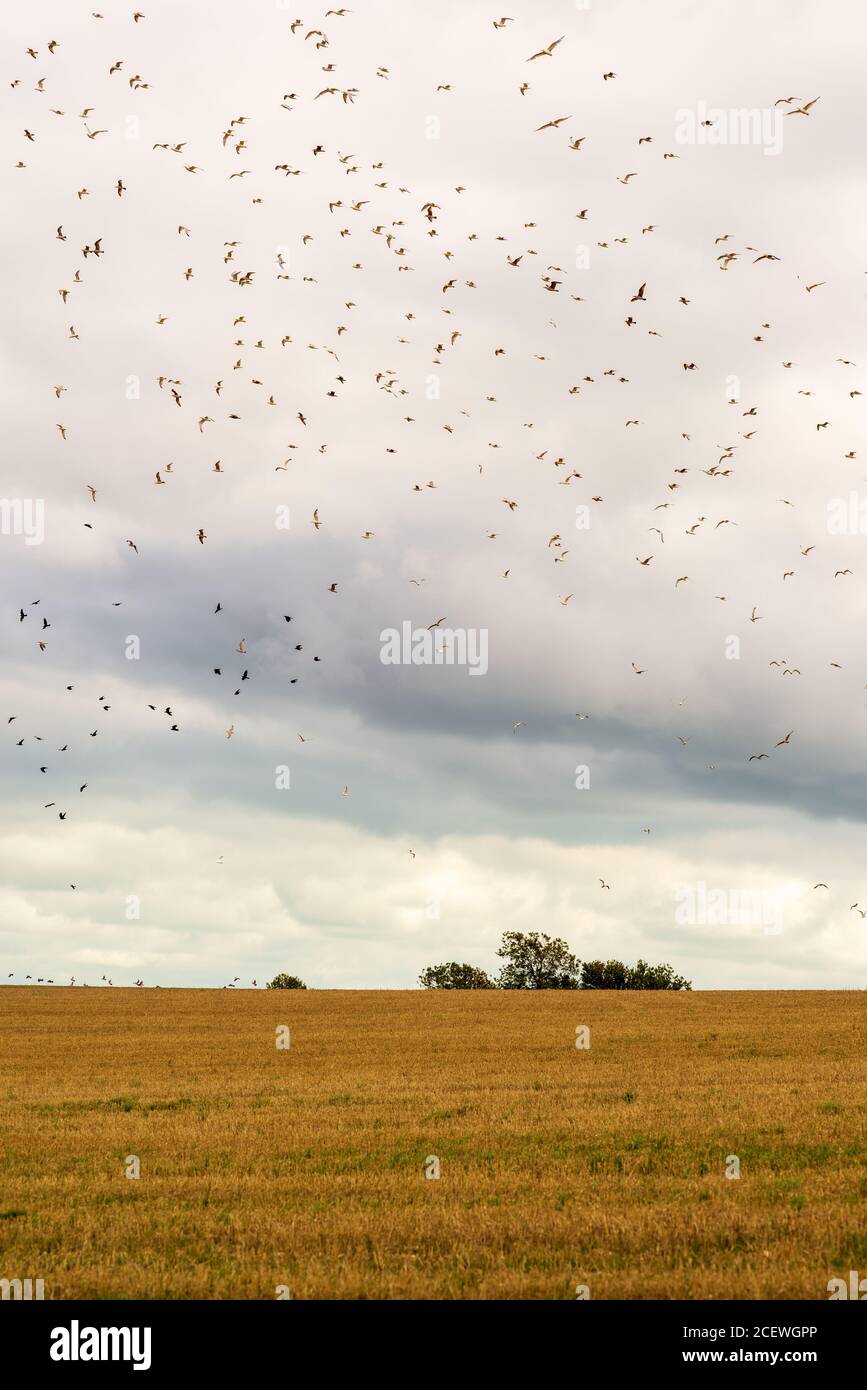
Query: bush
(454, 976)
(644, 976)
(604, 974)
(613, 974)
(286, 982)
(536, 961)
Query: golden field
(306, 1167)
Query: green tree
(604, 974)
(613, 974)
(286, 982)
(454, 976)
(537, 961)
(644, 976)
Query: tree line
(534, 960)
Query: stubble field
(305, 1167)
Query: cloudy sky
(423, 304)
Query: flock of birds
(360, 209)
